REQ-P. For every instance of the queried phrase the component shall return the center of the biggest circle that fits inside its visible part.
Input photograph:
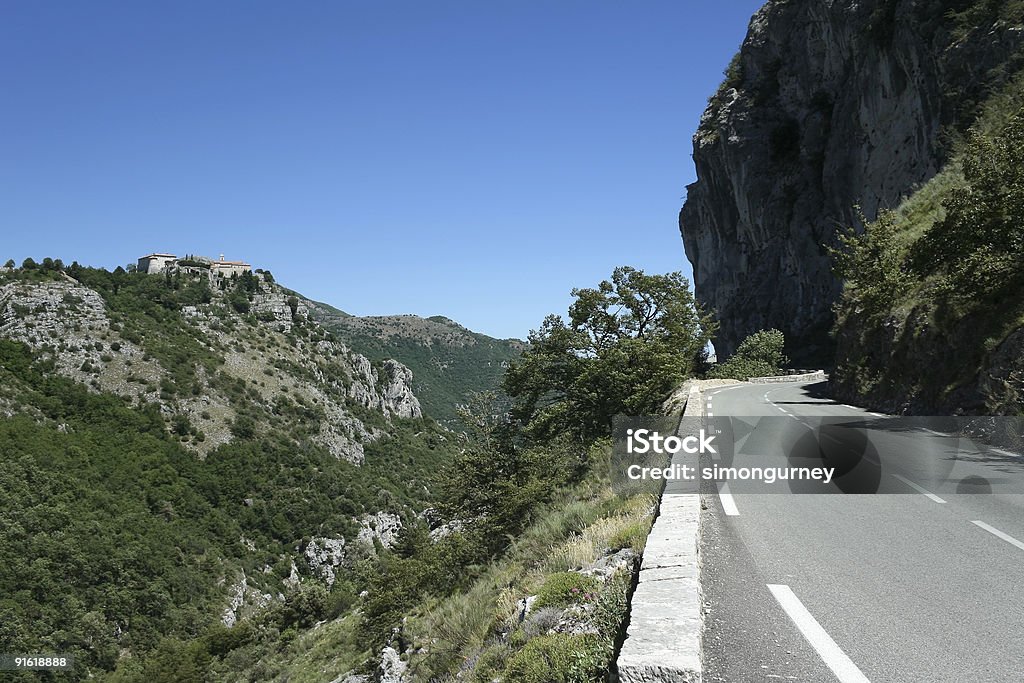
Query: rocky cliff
(448, 362)
(829, 105)
(277, 355)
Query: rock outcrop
(281, 356)
(829, 105)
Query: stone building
(229, 268)
(156, 263)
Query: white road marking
(876, 414)
(1010, 454)
(996, 532)
(847, 405)
(935, 433)
(924, 492)
(842, 666)
(728, 503)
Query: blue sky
(470, 159)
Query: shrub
(567, 588)
(558, 658)
(758, 355)
(542, 620)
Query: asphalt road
(914, 583)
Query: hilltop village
(160, 262)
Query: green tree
(978, 244)
(871, 265)
(9, 264)
(626, 344)
(759, 355)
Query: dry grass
(460, 631)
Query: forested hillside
(202, 484)
(449, 362)
(185, 453)
(930, 320)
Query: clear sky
(470, 159)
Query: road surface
(911, 584)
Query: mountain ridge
(449, 362)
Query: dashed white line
(728, 503)
(996, 532)
(833, 656)
(924, 492)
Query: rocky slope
(186, 453)
(70, 322)
(448, 362)
(828, 106)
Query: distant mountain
(448, 361)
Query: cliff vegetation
(931, 312)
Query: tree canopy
(625, 345)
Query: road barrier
(816, 376)
(663, 638)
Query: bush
(558, 658)
(567, 588)
(759, 355)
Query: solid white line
(935, 433)
(876, 414)
(847, 405)
(996, 532)
(924, 492)
(728, 503)
(842, 666)
(1010, 454)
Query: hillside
(449, 363)
(931, 319)
(827, 107)
(202, 483)
(188, 452)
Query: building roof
(229, 263)
(160, 256)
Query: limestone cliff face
(831, 104)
